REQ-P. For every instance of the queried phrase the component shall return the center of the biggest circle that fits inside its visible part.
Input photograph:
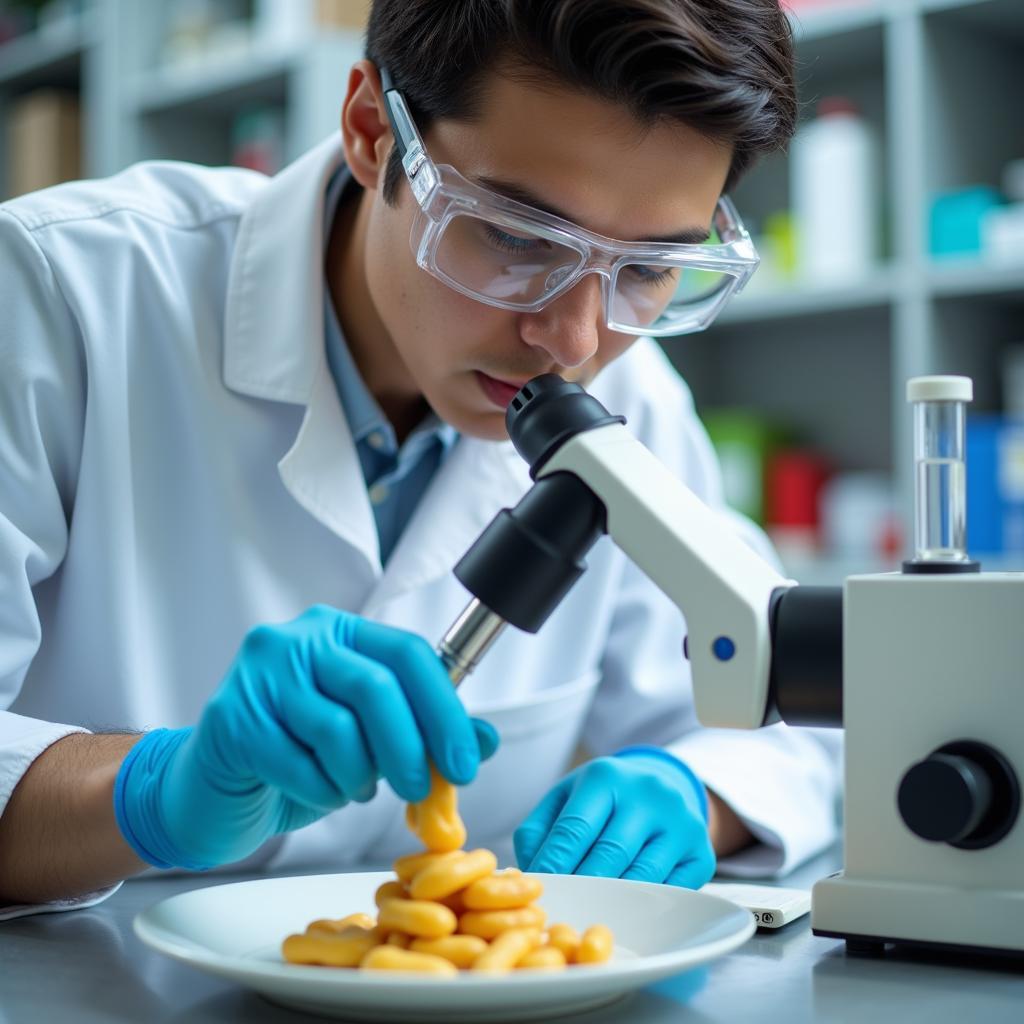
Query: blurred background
(892, 234)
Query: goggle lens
(501, 262)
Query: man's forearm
(58, 834)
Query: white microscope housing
(933, 709)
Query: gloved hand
(641, 814)
(309, 716)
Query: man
(230, 401)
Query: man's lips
(498, 391)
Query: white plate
(236, 930)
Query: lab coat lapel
(273, 322)
(476, 481)
(323, 474)
(274, 344)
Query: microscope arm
(722, 586)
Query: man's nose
(567, 329)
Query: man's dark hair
(721, 67)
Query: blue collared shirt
(396, 477)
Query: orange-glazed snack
(390, 958)
(505, 891)
(449, 910)
(436, 820)
(447, 877)
(507, 950)
(595, 946)
(340, 949)
(489, 924)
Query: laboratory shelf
(837, 20)
(975, 277)
(1003, 18)
(48, 57)
(838, 41)
(215, 85)
(931, 6)
(781, 303)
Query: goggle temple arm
(407, 139)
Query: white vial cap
(940, 389)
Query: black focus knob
(943, 798)
(964, 794)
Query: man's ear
(365, 130)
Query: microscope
(919, 666)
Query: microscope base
(874, 945)
(869, 913)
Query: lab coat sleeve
(42, 411)
(782, 782)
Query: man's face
(589, 160)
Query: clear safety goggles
(513, 256)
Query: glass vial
(940, 471)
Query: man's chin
(486, 425)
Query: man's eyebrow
(509, 189)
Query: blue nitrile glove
(641, 814)
(309, 716)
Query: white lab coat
(175, 467)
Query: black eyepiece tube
(806, 683)
(548, 411)
(529, 557)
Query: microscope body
(920, 667)
(933, 712)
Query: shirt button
(378, 494)
(376, 440)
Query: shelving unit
(939, 80)
(137, 108)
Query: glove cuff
(137, 798)
(661, 754)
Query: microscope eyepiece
(548, 411)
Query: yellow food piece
(333, 926)
(566, 939)
(543, 958)
(443, 878)
(502, 892)
(390, 958)
(454, 903)
(421, 918)
(489, 924)
(399, 939)
(436, 820)
(507, 950)
(344, 949)
(461, 950)
(390, 891)
(595, 946)
(413, 863)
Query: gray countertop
(87, 966)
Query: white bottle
(283, 24)
(834, 178)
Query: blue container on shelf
(955, 220)
(995, 485)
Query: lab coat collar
(273, 329)
(274, 344)
(274, 349)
